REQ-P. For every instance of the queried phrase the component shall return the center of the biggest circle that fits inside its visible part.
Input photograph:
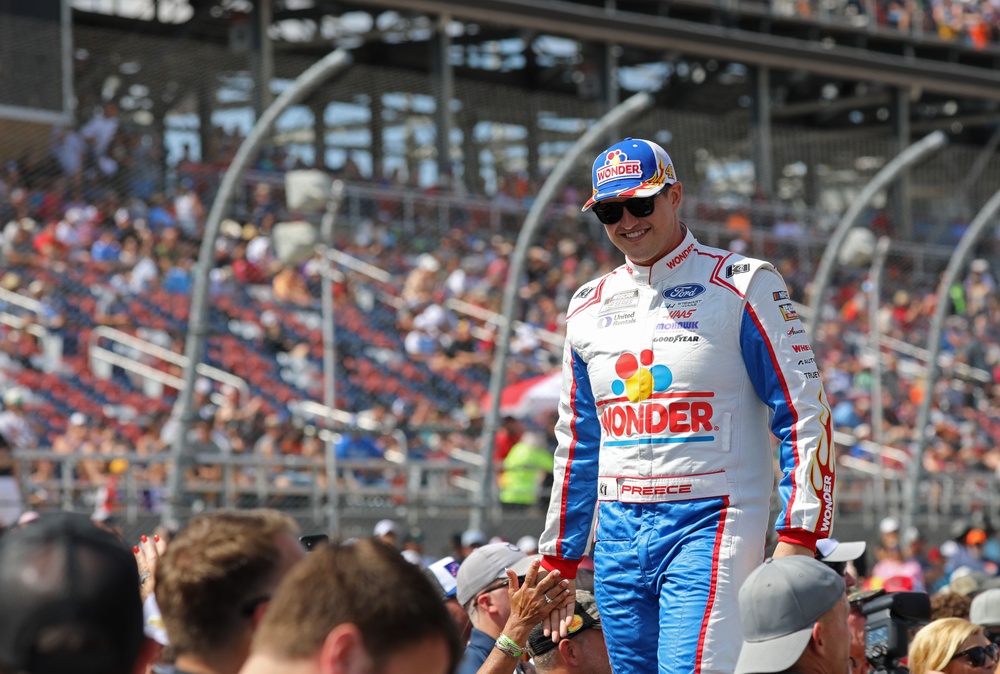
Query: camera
(889, 619)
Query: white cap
(888, 525)
(386, 527)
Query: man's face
(645, 240)
(839, 636)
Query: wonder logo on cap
(618, 165)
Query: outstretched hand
(538, 598)
(147, 556)
(558, 621)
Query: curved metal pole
(875, 334)
(904, 159)
(194, 347)
(956, 264)
(621, 113)
(330, 353)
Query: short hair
(950, 605)
(217, 564)
(366, 583)
(936, 644)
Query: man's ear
(675, 194)
(343, 651)
(818, 640)
(569, 652)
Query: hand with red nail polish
(147, 555)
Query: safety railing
(292, 483)
(52, 342)
(99, 354)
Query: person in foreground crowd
(672, 365)
(583, 651)
(794, 616)
(951, 646)
(356, 607)
(985, 612)
(69, 601)
(485, 590)
(838, 555)
(214, 582)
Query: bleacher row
(362, 378)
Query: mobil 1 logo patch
(621, 301)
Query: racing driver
(676, 366)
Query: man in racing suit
(676, 365)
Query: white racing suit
(672, 375)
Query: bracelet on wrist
(505, 644)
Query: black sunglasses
(610, 212)
(977, 654)
(839, 567)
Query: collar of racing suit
(667, 265)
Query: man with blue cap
(678, 367)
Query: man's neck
(221, 664)
(488, 627)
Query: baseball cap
(384, 527)
(831, 550)
(444, 571)
(584, 617)
(487, 564)
(71, 599)
(631, 168)
(985, 609)
(780, 602)
(888, 525)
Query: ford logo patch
(684, 292)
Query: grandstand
(443, 129)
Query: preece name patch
(627, 299)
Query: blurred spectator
(358, 607)
(840, 556)
(71, 602)
(950, 605)
(387, 531)
(527, 473)
(984, 611)
(891, 564)
(443, 573)
(15, 426)
(214, 583)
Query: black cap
(585, 617)
(70, 597)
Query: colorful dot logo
(639, 377)
(615, 157)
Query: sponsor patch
(688, 291)
(617, 165)
(788, 311)
(680, 305)
(583, 292)
(800, 348)
(677, 325)
(780, 295)
(671, 339)
(795, 331)
(807, 361)
(616, 319)
(680, 257)
(810, 375)
(734, 269)
(677, 314)
(627, 299)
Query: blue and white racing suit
(673, 375)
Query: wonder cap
(631, 168)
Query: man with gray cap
(482, 588)
(794, 615)
(837, 555)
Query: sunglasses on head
(610, 212)
(977, 654)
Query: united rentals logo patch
(617, 165)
